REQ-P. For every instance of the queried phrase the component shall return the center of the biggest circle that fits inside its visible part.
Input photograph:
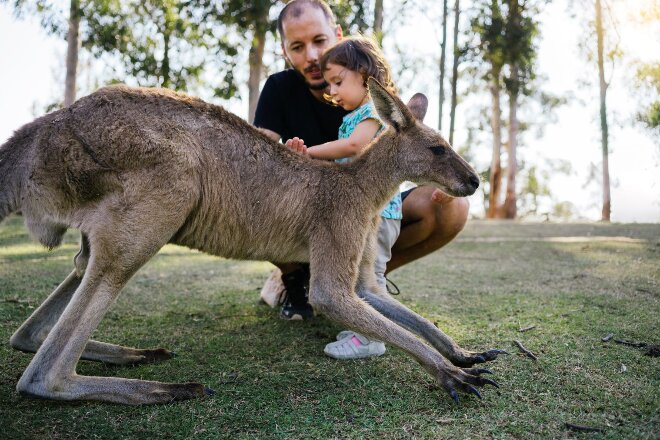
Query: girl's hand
(298, 145)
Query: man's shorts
(406, 193)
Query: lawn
(575, 283)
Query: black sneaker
(296, 297)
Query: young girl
(346, 66)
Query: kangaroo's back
(124, 144)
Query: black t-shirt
(287, 107)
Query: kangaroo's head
(423, 155)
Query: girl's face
(346, 86)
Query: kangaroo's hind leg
(118, 248)
(31, 334)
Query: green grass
(273, 381)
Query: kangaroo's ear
(390, 108)
(418, 105)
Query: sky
(31, 64)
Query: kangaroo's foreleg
(417, 324)
(369, 290)
(332, 294)
(31, 334)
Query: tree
(503, 56)
(605, 213)
(516, 37)
(251, 18)
(167, 43)
(52, 19)
(601, 48)
(443, 55)
(454, 75)
(377, 28)
(72, 53)
(489, 26)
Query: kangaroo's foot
(126, 391)
(455, 380)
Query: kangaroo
(134, 169)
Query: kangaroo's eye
(438, 151)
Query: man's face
(305, 38)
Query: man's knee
(452, 215)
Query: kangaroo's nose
(474, 180)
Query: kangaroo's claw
(474, 391)
(490, 382)
(491, 355)
(464, 380)
(208, 391)
(468, 359)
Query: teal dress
(367, 111)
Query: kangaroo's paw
(465, 380)
(468, 359)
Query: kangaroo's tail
(12, 155)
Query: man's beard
(320, 86)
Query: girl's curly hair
(359, 54)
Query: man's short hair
(295, 8)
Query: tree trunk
(165, 66)
(454, 79)
(495, 164)
(378, 22)
(512, 166)
(605, 214)
(256, 66)
(443, 53)
(72, 53)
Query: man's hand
(440, 197)
(297, 145)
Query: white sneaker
(351, 345)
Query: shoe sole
(349, 357)
(296, 317)
(342, 357)
(292, 318)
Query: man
(291, 105)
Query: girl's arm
(363, 133)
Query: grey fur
(134, 169)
